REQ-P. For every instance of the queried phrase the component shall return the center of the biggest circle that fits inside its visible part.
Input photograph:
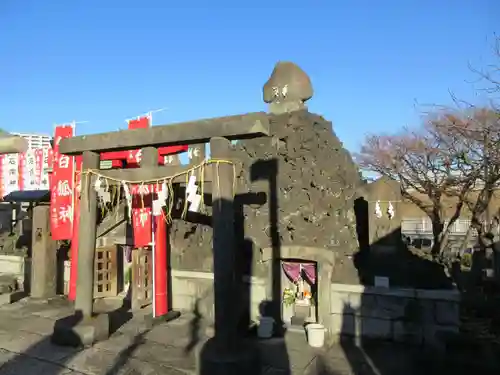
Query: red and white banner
(62, 187)
(2, 157)
(39, 166)
(25, 171)
(42, 167)
(141, 203)
(50, 164)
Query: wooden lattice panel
(105, 272)
(142, 284)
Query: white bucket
(265, 329)
(315, 335)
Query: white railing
(424, 226)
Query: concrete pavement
(170, 349)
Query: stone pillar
(43, 255)
(196, 154)
(223, 244)
(85, 328)
(87, 242)
(225, 354)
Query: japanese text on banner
(61, 188)
(10, 171)
(141, 200)
(28, 171)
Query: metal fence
(424, 226)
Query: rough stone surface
(287, 74)
(315, 185)
(8, 284)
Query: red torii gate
(160, 234)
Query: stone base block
(7, 298)
(242, 360)
(169, 316)
(77, 331)
(406, 332)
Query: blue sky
(371, 62)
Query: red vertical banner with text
(142, 215)
(49, 165)
(2, 161)
(141, 197)
(62, 184)
(21, 168)
(39, 167)
(73, 273)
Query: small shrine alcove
(315, 267)
(300, 291)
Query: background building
(36, 140)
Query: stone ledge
(452, 295)
(301, 252)
(395, 330)
(439, 294)
(8, 298)
(210, 276)
(192, 274)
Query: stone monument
(310, 181)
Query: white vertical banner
(44, 180)
(29, 171)
(11, 173)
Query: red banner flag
(48, 164)
(141, 198)
(62, 187)
(140, 122)
(21, 168)
(73, 276)
(2, 161)
(39, 167)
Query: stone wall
(406, 315)
(192, 291)
(20, 267)
(17, 266)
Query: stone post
(43, 255)
(87, 242)
(85, 328)
(223, 244)
(225, 354)
(196, 154)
